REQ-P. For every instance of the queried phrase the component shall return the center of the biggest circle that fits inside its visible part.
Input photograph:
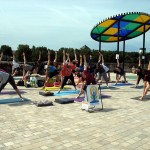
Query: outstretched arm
(1, 56)
(14, 56)
(139, 62)
(99, 59)
(80, 60)
(55, 60)
(49, 58)
(148, 66)
(85, 62)
(24, 58)
(39, 56)
(118, 64)
(102, 59)
(75, 55)
(68, 57)
(64, 56)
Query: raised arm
(81, 60)
(68, 57)
(118, 64)
(85, 62)
(1, 56)
(55, 60)
(75, 55)
(99, 59)
(39, 56)
(148, 68)
(14, 56)
(102, 58)
(64, 56)
(24, 58)
(49, 58)
(139, 62)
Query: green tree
(85, 50)
(26, 49)
(36, 51)
(7, 51)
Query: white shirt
(3, 77)
(105, 67)
(15, 65)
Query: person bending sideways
(86, 77)
(8, 78)
(119, 73)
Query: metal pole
(123, 52)
(100, 44)
(118, 37)
(143, 54)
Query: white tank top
(3, 77)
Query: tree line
(32, 54)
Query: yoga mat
(110, 87)
(12, 100)
(11, 92)
(53, 88)
(122, 84)
(66, 92)
(80, 99)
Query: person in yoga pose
(119, 72)
(146, 86)
(139, 73)
(66, 72)
(100, 71)
(86, 77)
(7, 78)
(51, 70)
(15, 66)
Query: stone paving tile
(123, 124)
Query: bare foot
(77, 97)
(22, 98)
(141, 98)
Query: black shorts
(17, 69)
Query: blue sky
(63, 23)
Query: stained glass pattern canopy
(121, 27)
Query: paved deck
(123, 124)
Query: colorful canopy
(121, 27)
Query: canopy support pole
(100, 44)
(123, 52)
(143, 53)
(118, 37)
